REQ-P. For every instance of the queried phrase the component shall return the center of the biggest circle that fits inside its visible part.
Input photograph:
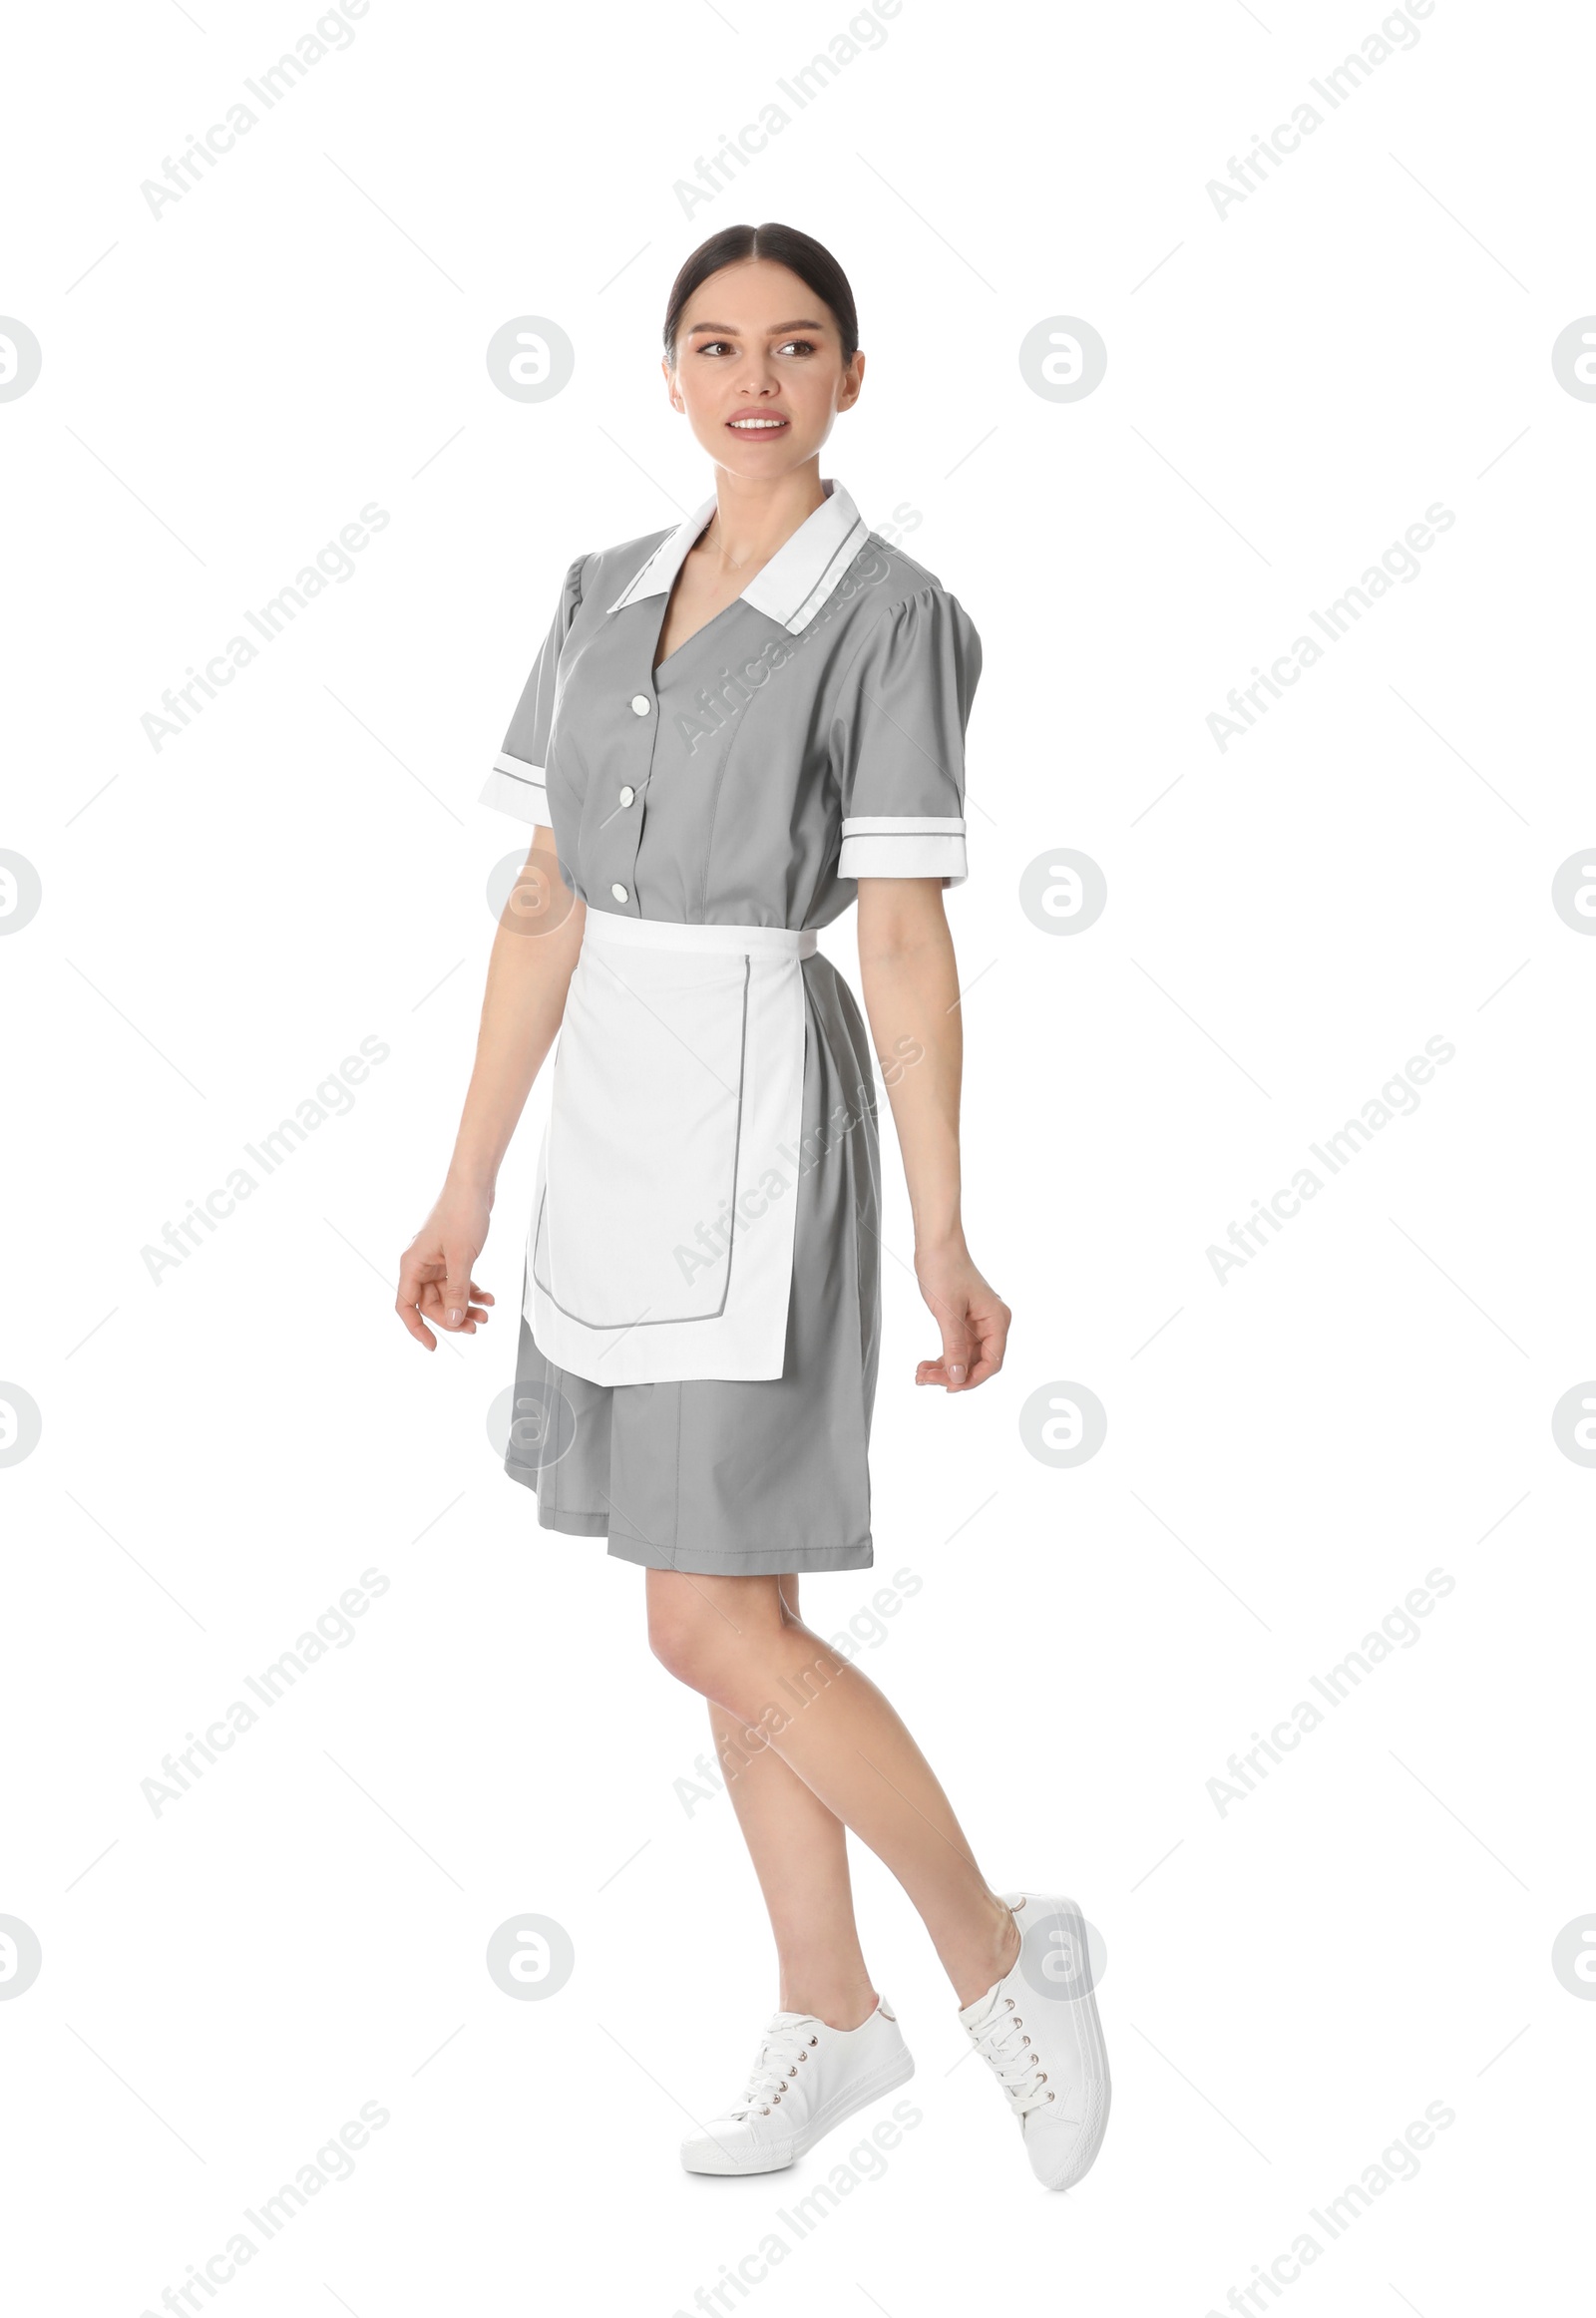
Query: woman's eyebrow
(730, 330)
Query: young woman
(735, 729)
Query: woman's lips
(765, 428)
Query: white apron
(661, 1236)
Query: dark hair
(810, 260)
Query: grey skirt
(743, 1479)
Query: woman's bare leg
(734, 1640)
(799, 1850)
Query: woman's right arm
(534, 956)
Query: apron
(662, 1239)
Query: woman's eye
(790, 346)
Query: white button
(641, 704)
(627, 794)
(619, 892)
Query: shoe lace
(999, 2038)
(785, 2043)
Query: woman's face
(759, 369)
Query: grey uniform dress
(810, 734)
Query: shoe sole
(785, 2153)
(1094, 2056)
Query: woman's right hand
(434, 1280)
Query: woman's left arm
(911, 986)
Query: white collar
(792, 586)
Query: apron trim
(608, 925)
(619, 1328)
(632, 1222)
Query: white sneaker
(1037, 2031)
(806, 2078)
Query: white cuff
(517, 788)
(902, 845)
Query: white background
(1289, 387)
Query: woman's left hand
(972, 1316)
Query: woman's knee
(678, 1630)
(705, 1631)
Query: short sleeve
(516, 784)
(899, 741)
